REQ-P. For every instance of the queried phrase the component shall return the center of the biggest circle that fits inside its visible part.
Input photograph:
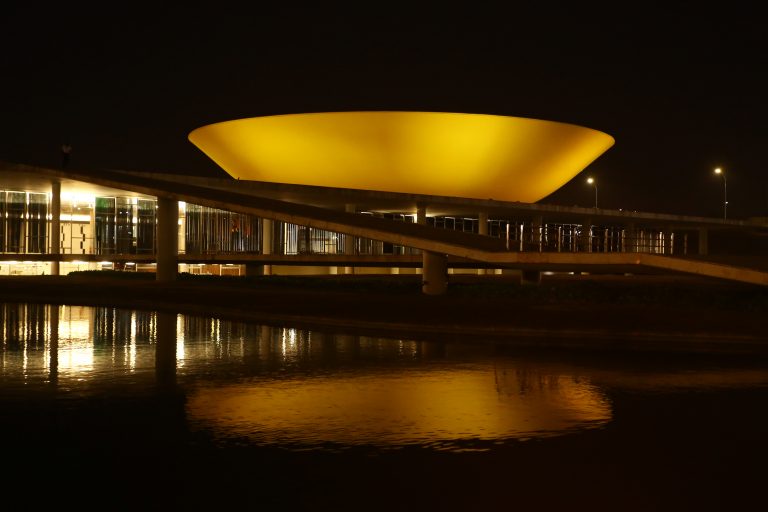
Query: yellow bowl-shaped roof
(445, 154)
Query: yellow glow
(718, 171)
(403, 407)
(460, 155)
(590, 180)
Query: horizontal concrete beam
(561, 262)
(483, 249)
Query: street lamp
(725, 192)
(592, 182)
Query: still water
(143, 409)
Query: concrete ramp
(484, 249)
(705, 268)
(626, 261)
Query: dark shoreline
(658, 313)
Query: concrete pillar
(530, 277)
(629, 241)
(421, 214)
(349, 240)
(92, 231)
(167, 239)
(586, 235)
(266, 243)
(482, 229)
(254, 269)
(669, 241)
(55, 226)
(435, 270)
(421, 218)
(482, 223)
(537, 233)
(703, 241)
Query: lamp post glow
(725, 192)
(592, 182)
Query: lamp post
(725, 192)
(592, 182)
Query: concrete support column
(349, 240)
(167, 239)
(629, 243)
(669, 241)
(421, 214)
(482, 229)
(435, 269)
(530, 277)
(482, 223)
(421, 218)
(586, 236)
(537, 233)
(254, 269)
(703, 241)
(55, 226)
(266, 243)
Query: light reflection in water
(286, 386)
(402, 406)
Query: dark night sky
(682, 89)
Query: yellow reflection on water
(400, 407)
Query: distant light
(590, 180)
(718, 171)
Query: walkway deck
(486, 251)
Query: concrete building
(342, 193)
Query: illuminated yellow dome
(445, 154)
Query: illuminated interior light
(74, 217)
(461, 155)
(78, 197)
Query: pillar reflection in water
(53, 329)
(73, 345)
(165, 349)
